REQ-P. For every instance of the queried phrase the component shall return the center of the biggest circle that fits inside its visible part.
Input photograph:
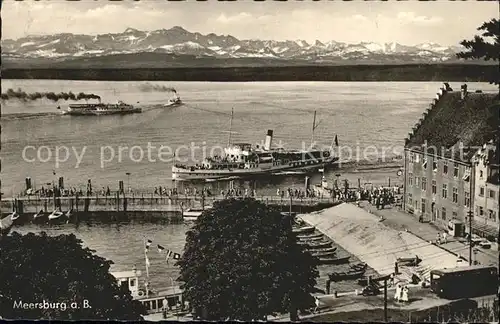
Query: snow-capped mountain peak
(178, 40)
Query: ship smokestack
(269, 139)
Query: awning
(484, 229)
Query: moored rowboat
(330, 260)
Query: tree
(47, 270)
(482, 48)
(242, 262)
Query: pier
(145, 206)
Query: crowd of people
(377, 196)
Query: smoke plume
(148, 87)
(24, 96)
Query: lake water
(363, 114)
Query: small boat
(7, 222)
(321, 250)
(57, 217)
(175, 101)
(14, 216)
(322, 254)
(192, 214)
(330, 260)
(355, 271)
(305, 229)
(312, 240)
(38, 217)
(310, 237)
(316, 245)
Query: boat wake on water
(15, 116)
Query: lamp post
(470, 237)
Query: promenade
(399, 220)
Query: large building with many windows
(439, 153)
(486, 188)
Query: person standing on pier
(397, 294)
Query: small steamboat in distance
(244, 160)
(174, 101)
(98, 109)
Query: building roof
(465, 268)
(451, 121)
(126, 274)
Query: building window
(480, 174)
(491, 214)
(424, 164)
(445, 191)
(423, 205)
(433, 187)
(455, 195)
(443, 213)
(454, 215)
(491, 194)
(410, 179)
(424, 183)
(132, 283)
(416, 182)
(481, 211)
(467, 199)
(412, 157)
(455, 170)
(445, 167)
(434, 166)
(481, 191)
(417, 158)
(410, 199)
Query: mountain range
(178, 42)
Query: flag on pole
(160, 248)
(336, 141)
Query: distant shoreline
(356, 73)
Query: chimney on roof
(463, 91)
(447, 87)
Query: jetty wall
(143, 206)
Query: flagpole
(147, 267)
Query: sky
(404, 22)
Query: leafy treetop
(242, 262)
(42, 268)
(485, 47)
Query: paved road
(400, 220)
